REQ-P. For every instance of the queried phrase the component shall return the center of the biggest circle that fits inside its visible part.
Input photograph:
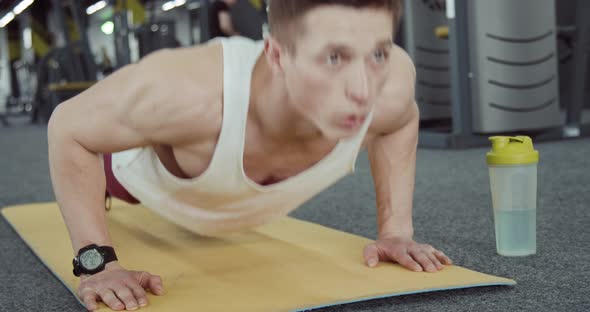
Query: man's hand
(118, 288)
(405, 251)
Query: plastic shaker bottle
(512, 164)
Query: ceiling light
(6, 19)
(96, 7)
(23, 5)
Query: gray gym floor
(452, 212)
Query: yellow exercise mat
(289, 265)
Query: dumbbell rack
(461, 134)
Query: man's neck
(271, 109)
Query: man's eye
(333, 59)
(380, 56)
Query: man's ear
(274, 52)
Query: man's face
(340, 65)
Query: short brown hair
(283, 14)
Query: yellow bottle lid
(515, 150)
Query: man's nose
(358, 88)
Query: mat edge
(311, 308)
(62, 282)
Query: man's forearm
(395, 223)
(393, 163)
(79, 186)
(395, 200)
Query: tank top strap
(239, 57)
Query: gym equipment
(17, 69)
(156, 35)
(26, 82)
(581, 73)
(5, 80)
(513, 65)
(204, 20)
(160, 30)
(248, 18)
(121, 35)
(59, 79)
(283, 266)
(504, 76)
(66, 70)
(431, 57)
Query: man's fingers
(155, 285)
(88, 296)
(149, 281)
(139, 294)
(127, 297)
(434, 260)
(371, 255)
(142, 278)
(407, 261)
(110, 299)
(427, 248)
(431, 253)
(443, 258)
(423, 260)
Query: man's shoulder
(403, 66)
(185, 87)
(193, 71)
(396, 101)
(196, 61)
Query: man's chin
(341, 133)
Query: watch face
(91, 259)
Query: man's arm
(80, 129)
(95, 122)
(132, 107)
(393, 164)
(154, 102)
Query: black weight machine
(65, 71)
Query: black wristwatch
(92, 259)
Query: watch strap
(108, 253)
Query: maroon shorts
(114, 188)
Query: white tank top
(223, 199)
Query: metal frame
(81, 21)
(204, 21)
(4, 56)
(24, 84)
(461, 135)
(581, 56)
(121, 36)
(76, 67)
